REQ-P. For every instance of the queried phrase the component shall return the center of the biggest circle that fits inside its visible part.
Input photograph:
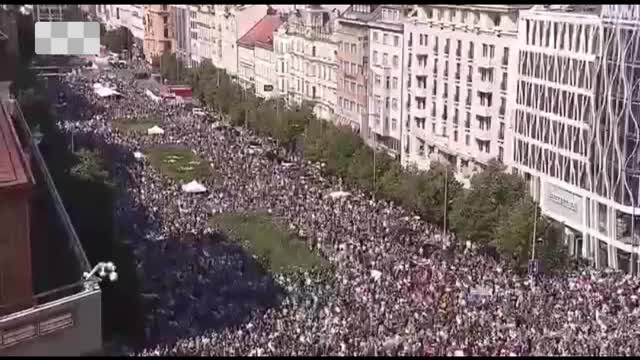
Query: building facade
(203, 21)
(458, 85)
(159, 34)
(49, 12)
(352, 37)
(183, 33)
(386, 70)
(312, 62)
(256, 59)
(574, 132)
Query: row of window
(350, 105)
(352, 87)
(488, 50)
(350, 68)
(385, 59)
(387, 39)
(321, 71)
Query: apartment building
(49, 12)
(312, 58)
(194, 32)
(183, 33)
(458, 85)
(256, 60)
(159, 34)
(130, 17)
(352, 37)
(386, 71)
(282, 58)
(203, 21)
(574, 132)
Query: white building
(574, 132)
(204, 18)
(282, 48)
(128, 16)
(194, 32)
(458, 64)
(256, 60)
(312, 58)
(386, 70)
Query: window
(505, 57)
(471, 50)
(385, 59)
(396, 61)
(353, 68)
(388, 82)
(386, 102)
(385, 39)
(375, 57)
(313, 51)
(485, 50)
(378, 80)
(375, 36)
(394, 124)
(166, 33)
(467, 139)
(395, 104)
(396, 40)
(395, 83)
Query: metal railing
(74, 241)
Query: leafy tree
(90, 167)
(513, 233)
(475, 213)
(432, 194)
(117, 40)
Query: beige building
(461, 63)
(311, 60)
(159, 31)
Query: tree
(90, 167)
(475, 213)
(432, 195)
(117, 40)
(513, 233)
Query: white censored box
(67, 38)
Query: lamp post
(102, 270)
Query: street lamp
(102, 270)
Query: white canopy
(339, 194)
(138, 155)
(105, 92)
(156, 130)
(151, 95)
(193, 187)
(375, 274)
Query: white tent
(339, 194)
(105, 92)
(156, 130)
(138, 155)
(151, 95)
(193, 187)
(376, 274)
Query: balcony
(483, 157)
(65, 319)
(484, 110)
(482, 134)
(486, 62)
(484, 85)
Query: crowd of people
(395, 288)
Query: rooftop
(14, 170)
(261, 34)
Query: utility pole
(533, 245)
(446, 201)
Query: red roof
(14, 170)
(261, 34)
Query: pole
(533, 244)
(446, 201)
(634, 243)
(374, 173)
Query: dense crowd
(394, 288)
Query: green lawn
(178, 163)
(134, 125)
(274, 246)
